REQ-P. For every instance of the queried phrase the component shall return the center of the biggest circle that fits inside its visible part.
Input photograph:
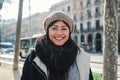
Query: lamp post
(30, 24)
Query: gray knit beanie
(59, 15)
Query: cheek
(50, 35)
(67, 36)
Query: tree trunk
(18, 30)
(110, 44)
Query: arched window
(89, 40)
(82, 38)
(98, 43)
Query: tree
(110, 44)
(18, 30)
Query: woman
(56, 55)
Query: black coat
(32, 72)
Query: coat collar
(40, 64)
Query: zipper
(45, 78)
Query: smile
(59, 38)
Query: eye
(54, 28)
(64, 28)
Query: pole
(30, 24)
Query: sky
(11, 10)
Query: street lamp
(30, 24)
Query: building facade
(88, 22)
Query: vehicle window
(6, 46)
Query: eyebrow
(62, 26)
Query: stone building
(88, 22)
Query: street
(8, 58)
(96, 62)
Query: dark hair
(70, 40)
(49, 50)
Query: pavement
(6, 68)
(7, 72)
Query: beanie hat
(59, 15)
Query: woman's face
(59, 33)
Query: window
(97, 9)
(97, 24)
(75, 27)
(88, 26)
(75, 17)
(88, 3)
(89, 40)
(97, 12)
(82, 38)
(81, 26)
(81, 17)
(68, 8)
(89, 13)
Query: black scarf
(57, 59)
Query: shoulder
(31, 56)
(83, 58)
(83, 54)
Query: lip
(59, 38)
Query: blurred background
(88, 26)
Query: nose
(59, 32)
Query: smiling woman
(56, 55)
(59, 33)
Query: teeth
(59, 38)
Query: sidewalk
(7, 73)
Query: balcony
(99, 28)
(92, 29)
(97, 14)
